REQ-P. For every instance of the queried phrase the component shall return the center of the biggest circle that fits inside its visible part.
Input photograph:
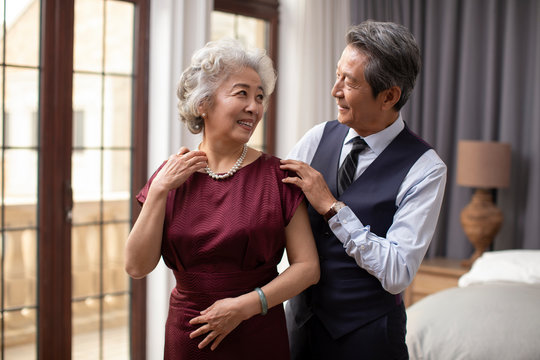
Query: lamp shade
(483, 164)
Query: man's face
(357, 108)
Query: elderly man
(375, 190)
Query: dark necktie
(348, 168)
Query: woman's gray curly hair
(212, 65)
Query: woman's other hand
(179, 167)
(224, 316)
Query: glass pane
(86, 287)
(116, 172)
(19, 96)
(101, 178)
(116, 207)
(252, 31)
(116, 333)
(86, 184)
(2, 115)
(20, 213)
(88, 41)
(22, 32)
(20, 208)
(114, 276)
(20, 269)
(3, 237)
(116, 185)
(2, 33)
(223, 25)
(20, 334)
(117, 111)
(119, 27)
(249, 30)
(20, 107)
(86, 259)
(85, 329)
(20, 296)
(21, 184)
(87, 108)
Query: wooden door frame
(54, 190)
(140, 166)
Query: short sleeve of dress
(291, 197)
(141, 196)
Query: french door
(73, 149)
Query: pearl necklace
(231, 172)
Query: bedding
(494, 314)
(521, 266)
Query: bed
(494, 313)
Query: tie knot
(359, 144)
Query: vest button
(327, 234)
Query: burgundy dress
(223, 238)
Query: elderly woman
(221, 217)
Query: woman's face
(237, 108)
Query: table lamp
(484, 166)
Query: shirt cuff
(346, 226)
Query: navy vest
(347, 296)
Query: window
(20, 70)
(101, 177)
(72, 147)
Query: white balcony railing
(99, 284)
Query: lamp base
(481, 220)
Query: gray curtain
(480, 80)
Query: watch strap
(333, 210)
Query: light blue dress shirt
(393, 260)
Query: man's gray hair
(393, 56)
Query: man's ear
(390, 97)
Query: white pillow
(521, 266)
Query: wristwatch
(333, 210)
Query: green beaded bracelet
(264, 303)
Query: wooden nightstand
(434, 275)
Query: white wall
(177, 28)
(311, 39)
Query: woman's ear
(390, 97)
(202, 110)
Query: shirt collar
(379, 141)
